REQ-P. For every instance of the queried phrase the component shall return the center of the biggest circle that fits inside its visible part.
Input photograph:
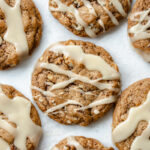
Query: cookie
(20, 31)
(139, 28)
(75, 82)
(131, 119)
(79, 143)
(89, 18)
(20, 125)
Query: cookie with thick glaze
(79, 142)
(131, 117)
(75, 82)
(139, 28)
(89, 18)
(20, 125)
(20, 31)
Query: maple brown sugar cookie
(20, 31)
(139, 28)
(20, 125)
(131, 119)
(75, 82)
(79, 143)
(89, 18)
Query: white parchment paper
(132, 68)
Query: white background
(131, 65)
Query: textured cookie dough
(67, 90)
(79, 142)
(8, 138)
(89, 18)
(139, 28)
(32, 26)
(133, 97)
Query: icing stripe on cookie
(6, 126)
(104, 101)
(18, 111)
(112, 17)
(47, 93)
(117, 4)
(1, 40)
(125, 129)
(15, 30)
(89, 6)
(74, 77)
(59, 106)
(91, 62)
(72, 141)
(107, 100)
(139, 30)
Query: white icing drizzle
(72, 141)
(90, 7)
(59, 106)
(102, 24)
(6, 126)
(117, 4)
(15, 30)
(91, 62)
(47, 93)
(4, 145)
(127, 128)
(107, 100)
(0, 40)
(112, 17)
(73, 77)
(139, 30)
(64, 8)
(49, 83)
(81, 23)
(18, 111)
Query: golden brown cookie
(139, 28)
(131, 121)
(89, 18)
(20, 125)
(75, 82)
(79, 142)
(20, 31)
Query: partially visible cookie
(20, 31)
(20, 125)
(89, 18)
(79, 143)
(131, 119)
(139, 28)
(75, 82)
